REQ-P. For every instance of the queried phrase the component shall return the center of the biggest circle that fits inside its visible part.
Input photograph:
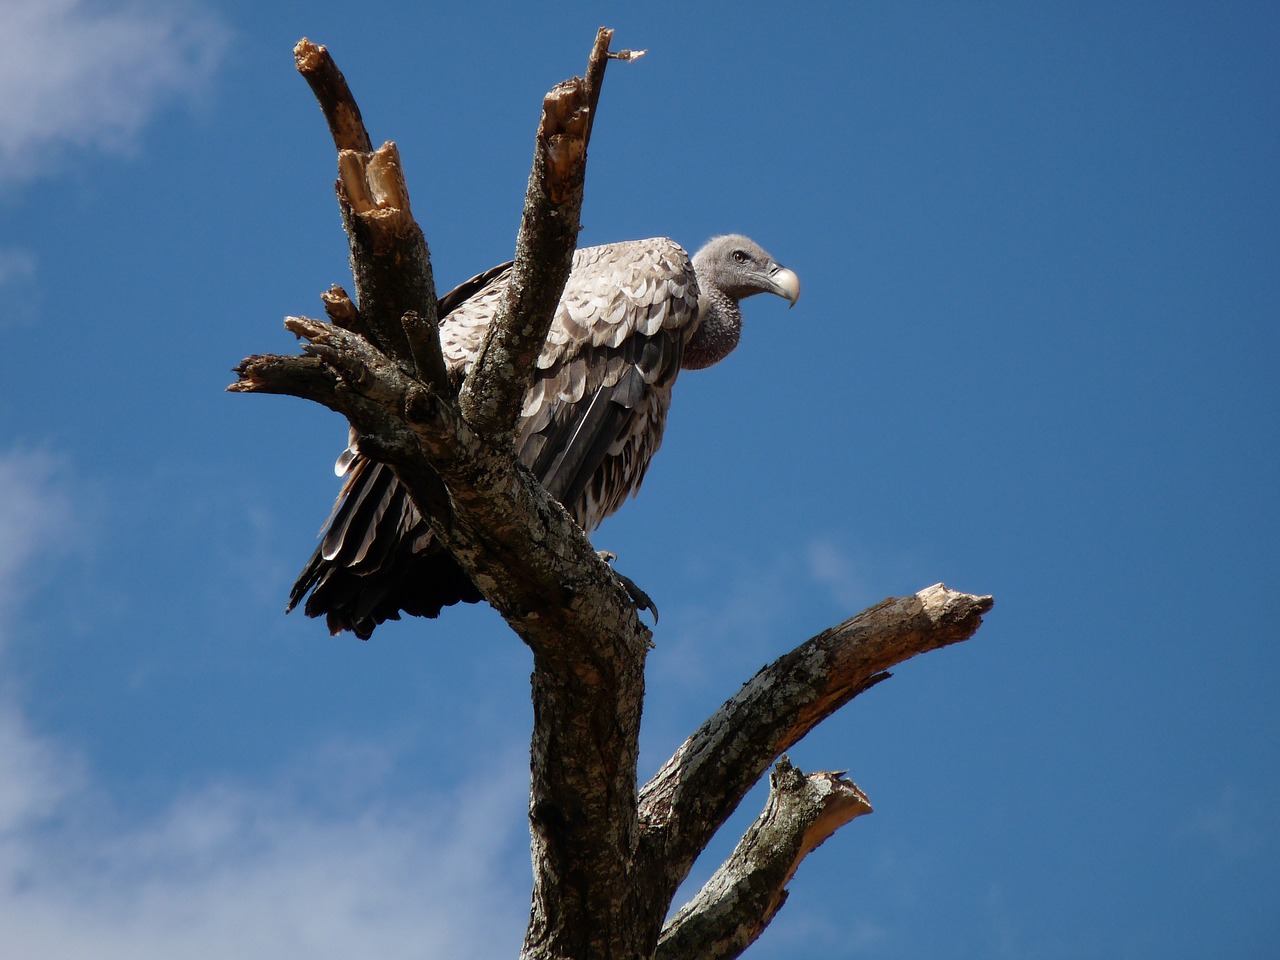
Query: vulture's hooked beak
(784, 283)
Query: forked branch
(390, 261)
(741, 898)
(696, 790)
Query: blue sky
(1035, 356)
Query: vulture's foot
(641, 599)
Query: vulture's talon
(641, 599)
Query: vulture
(632, 316)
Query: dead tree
(608, 853)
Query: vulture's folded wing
(591, 422)
(595, 413)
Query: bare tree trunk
(608, 857)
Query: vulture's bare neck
(718, 331)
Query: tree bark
(608, 858)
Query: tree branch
(330, 87)
(743, 896)
(389, 257)
(492, 397)
(687, 800)
(319, 377)
(426, 352)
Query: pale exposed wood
(339, 308)
(390, 261)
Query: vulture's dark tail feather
(420, 585)
(376, 558)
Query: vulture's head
(731, 268)
(738, 267)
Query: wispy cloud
(17, 287)
(835, 569)
(252, 872)
(15, 266)
(322, 860)
(737, 620)
(1231, 822)
(34, 512)
(34, 778)
(803, 930)
(77, 75)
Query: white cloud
(266, 870)
(34, 778)
(250, 873)
(75, 75)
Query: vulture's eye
(739, 256)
